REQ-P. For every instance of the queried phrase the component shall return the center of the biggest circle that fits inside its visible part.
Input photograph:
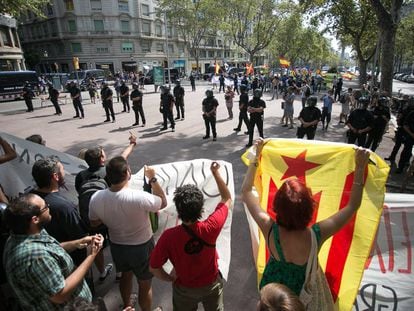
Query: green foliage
(17, 7)
(404, 44)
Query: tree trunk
(362, 70)
(251, 58)
(387, 58)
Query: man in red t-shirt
(191, 249)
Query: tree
(388, 13)
(252, 24)
(404, 43)
(194, 20)
(17, 7)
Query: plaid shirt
(36, 268)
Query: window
(146, 28)
(127, 47)
(220, 43)
(98, 25)
(125, 27)
(203, 54)
(145, 9)
(6, 36)
(123, 6)
(72, 26)
(211, 54)
(219, 54)
(145, 46)
(49, 9)
(96, 5)
(69, 5)
(158, 30)
(169, 31)
(170, 48)
(103, 49)
(181, 48)
(76, 47)
(45, 30)
(160, 47)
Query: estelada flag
(284, 62)
(326, 168)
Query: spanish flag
(327, 168)
(284, 62)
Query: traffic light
(75, 61)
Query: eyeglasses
(44, 209)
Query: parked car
(409, 78)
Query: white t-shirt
(125, 213)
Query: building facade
(11, 54)
(115, 35)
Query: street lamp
(46, 55)
(168, 52)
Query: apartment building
(11, 55)
(110, 34)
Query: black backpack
(92, 184)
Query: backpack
(92, 184)
(307, 92)
(342, 99)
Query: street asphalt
(70, 135)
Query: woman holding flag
(289, 238)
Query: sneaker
(206, 137)
(236, 129)
(73, 116)
(143, 125)
(163, 128)
(107, 271)
(284, 125)
(246, 133)
(107, 120)
(214, 138)
(135, 124)
(177, 118)
(173, 130)
(113, 121)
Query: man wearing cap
(166, 107)
(75, 94)
(179, 99)
(136, 97)
(124, 89)
(309, 118)
(107, 94)
(53, 96)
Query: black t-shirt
(166, 100)
(124, 89)
(379, 121)
(106, 94)
(75, 91)
(53, 93)
(243, 101)
(136, 93)
(84, 175)
(209, 104)
(178, 92)
(360, 119)
(257, 103)
(310, 113)
(409, 121)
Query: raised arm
(334, 223)
(221, 185)
(132, 143)
(262, 219)
(9, 153)
(156, 188)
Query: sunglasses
(44, 209)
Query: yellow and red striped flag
(249, 69)
(284, 62)
(327, 169)
(217, 68)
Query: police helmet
(209, 93)
(383, 100)
(312, 100)
(364, 101)
(135, 85)
(177, 82)
(165, 89)
(257, 93)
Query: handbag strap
(195, 236)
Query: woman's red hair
(293, 205)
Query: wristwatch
(152, 180)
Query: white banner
(16, 178)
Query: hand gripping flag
(327, 169)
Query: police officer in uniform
(166, 107)
(75, 94)
(124, 90)
(136, 97)
(209, 108)
(179, 99)
(382, 116)
(107, 102)
(53, 96)
(28, 95)
(360, 122)
(309, 118)
(243, 102)
(256, 109)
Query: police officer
(408, 127)
(75, 94)
(107, 102)
(28, 95)
(53, 96)
(243, 102)
(166, 107)
(209, 108)
(124, 90)
(256, 109)
(360, 123)
(179, 99)
(136, 97)
(309, 118)
(382, 116)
